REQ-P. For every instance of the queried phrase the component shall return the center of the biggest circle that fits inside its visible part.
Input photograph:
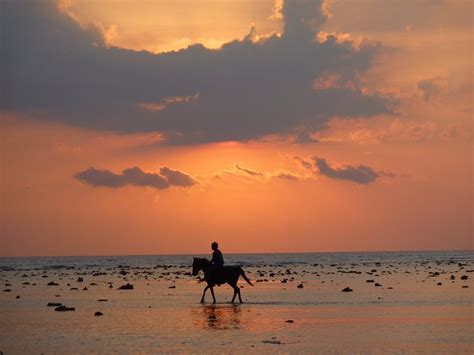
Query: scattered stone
(464, 277)
(17, 296)
(347, 289)
(64, 309)
(439, 284)
(172, 286)
(300, 285)
(84, 289)
(369, 280)
(102, 300)
(465, 286)
(126, 287)
(80, 279)
(289, 321)
(377, 284)
(98, 314)
(7, 290)
(54, 304)
(52, 283)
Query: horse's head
(196, 266)
(199, 264)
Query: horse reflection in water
(218, 317)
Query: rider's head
(214, 245)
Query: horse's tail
(245, 276)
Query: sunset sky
(155, 127)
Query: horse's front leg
(213, 297)
(204, 293)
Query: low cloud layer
(135, 176)
(52, 69)
(360, 174)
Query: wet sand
(408, 308)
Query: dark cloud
(360, 174)
(53, 69)
(248, 171)
(287, 176)
(429, 87)
(135, 176)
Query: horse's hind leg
(235, 294)
(213, 297)
(238, 292)
(204, 293)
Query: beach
(413, 302)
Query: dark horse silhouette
(228, 274)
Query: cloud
(360, 174)
(429, 87)
(52, 69)
(248, 171)
(135, 176)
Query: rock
(80, 279)
(110, 286)
(17, 296)
(300, 285)
(74, 289)
(52, 283)
(465, 286)
(464, 277)
(98, 314)
(439, 283)
(377, 284)
(126, 287)
(102, 300)
(7, 290)
(347, 289)
(369, 280)
(64, 309)
(172, 286)
(452, 277)
(123, 272)
(289, 321)
(54, 304)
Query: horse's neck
(206, 264)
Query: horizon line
(241, 253)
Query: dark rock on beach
(98, 314)
(347, 289)
(52, 283)
(54, 304)
(126, 287)
(64, 309)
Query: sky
(157, 127)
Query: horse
(228, 274)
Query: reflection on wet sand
(217, 317)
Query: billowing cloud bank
(135, 176)
(52, 69)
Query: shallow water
(409, 312)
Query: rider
(217, 261)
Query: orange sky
(422, 198)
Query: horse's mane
(203, 260)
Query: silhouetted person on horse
(215, 273)
(217, 261)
